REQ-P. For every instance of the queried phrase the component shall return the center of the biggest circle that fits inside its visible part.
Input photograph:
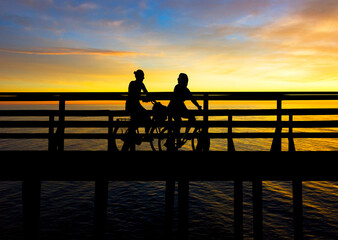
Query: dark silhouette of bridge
(32, 167)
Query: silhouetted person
(177, 108)
(137, 112)
(133, 104)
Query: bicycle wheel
(154, 131)
(122, 138)
(120, 135)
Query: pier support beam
(257, 209)
(100, 214)
(31, 190)
(183, 208)
(169, 207)
(297, 208)
(238, 209)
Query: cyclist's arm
(193, 100)
(196, 104)
(144, 89)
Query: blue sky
(231, 44)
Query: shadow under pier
(172, 168)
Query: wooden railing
(56, 122)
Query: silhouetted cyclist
(137, 112)
(177, 108)
(133, 106)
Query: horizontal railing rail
(87, 96)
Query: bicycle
(166, 137)
(126, 139)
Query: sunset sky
(223, 45)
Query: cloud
(303, 30)
(37, 4)
(213, 11)
(82, 7)
(74, 51)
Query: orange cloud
(312, 28)
(73, 51)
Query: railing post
(291, 142)
(297, 208)
(205, 109)
(277, 140)
(257, 209)
(111, 141)
(61, 128)
(231, 146)
(51, 136)
(110, 133)
(100, 214)
(31, 189)
(238, 209)
(204, 141)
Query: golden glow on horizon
(103, 102)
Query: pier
(32, 167)
(56, 119)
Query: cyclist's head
(139, 74)
(183, 79)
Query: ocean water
(136, 209)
